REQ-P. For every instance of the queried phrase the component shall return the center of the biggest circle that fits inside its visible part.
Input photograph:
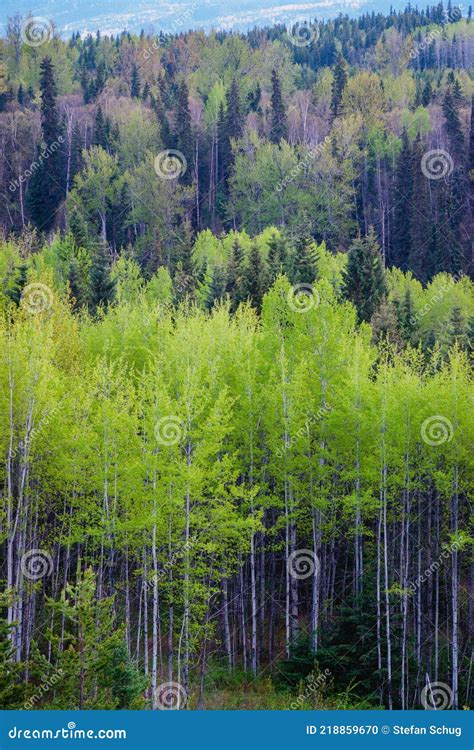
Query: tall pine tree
(46, 187)
(279, 129)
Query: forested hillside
(236, 332)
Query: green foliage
(96, 670)
(11, 687)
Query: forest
(236, 335)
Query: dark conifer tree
(277, 256)
(427, 93)
(470, 221)
(46, 187)
(101, 135)
(183, 130)
(402, 206)
(254, 282)
(146, 91)
(305, 263)
(364, 278)
(279, 129)
(217, 287)
(100, 79)
(338, 86)
(157, 106)
(453, 124)
(457, 329)
(254, 99)
(135, 84)
(235, 274)
(405, 313)
(230, 126)
(419, 219)
(102, 284)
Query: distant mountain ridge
(112, 17)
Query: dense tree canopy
(236, 330)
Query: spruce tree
(135, 83)
(427, 93)
(277, 256)
(279, 129)
(254, 99)
(457, 333)
(419, 219)
(165, 130)
(405, 314)
(230, 126)
(470, 165)
(305, 263)
(75, 163)
(403, 197)
(183, 130)
(254, 282)
(102, 284)
(217, 287)
(46, 186)
(235, 273)
(146, 91)
(453, 124)
(338, 86)
(102, 128)
(364, 276)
